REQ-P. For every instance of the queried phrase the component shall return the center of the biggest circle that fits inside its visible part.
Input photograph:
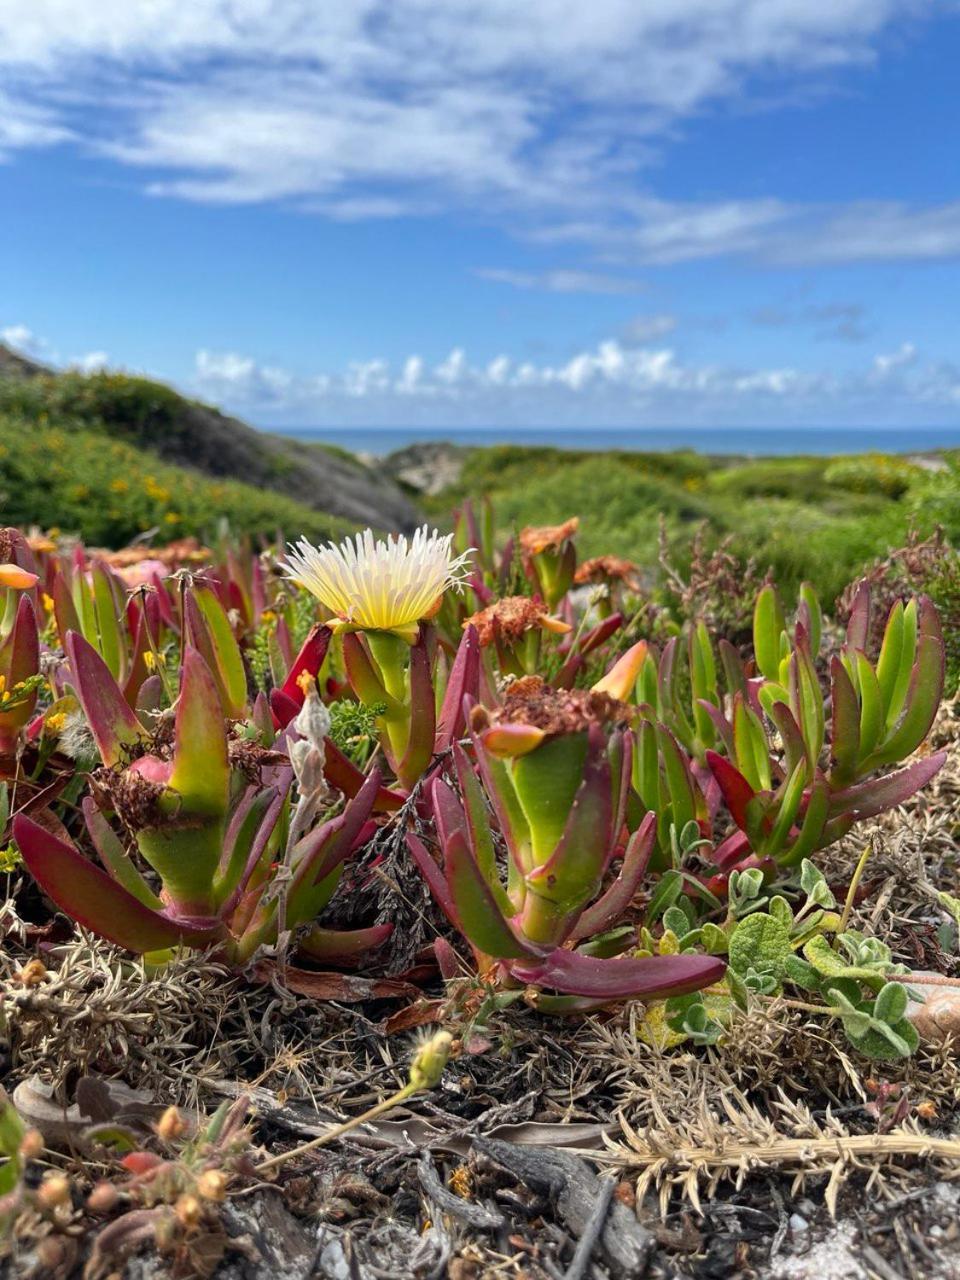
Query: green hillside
(822, 519)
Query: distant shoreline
(740, 441)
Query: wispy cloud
(836, 321)
(562, 281)
(544, 114)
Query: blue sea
(756, 441)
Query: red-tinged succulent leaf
(64, 610)
(794, 747)
(731, 851)
(712, 795)
(246, 841)
(620, 755)
(920, 705)
(482, 922)
(448, 962)
(115, 728)
(722, 725)
(684, 797)
(737, 791)
(345, 947)
(787, 806)
(114, 857)
(22, 657)
(283, 708)
(477, 817)
(845, 734)
(810, 836)
(201, 772)
(622, 977)
(858, 628)
(600, 634)
(876, 795)
(310, 659)
(209, 631)
(140, 1162)
(572, 872)
(510, 816)
(343, 774)
(108, 609)
(872, 709)
(423, 717)
(322, 851)
(447, 811)
(95, 900)
(610, 907)
(167, 612)
(733, 670)
(435, 879)
(463, 681)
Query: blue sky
(435, 212)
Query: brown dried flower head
(533, 702)
(511, 618)
(535, 539)
(607, 569)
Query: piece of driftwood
(407, 1130)
(623, 1245)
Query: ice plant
(211, 836)
(380, 586)
(556, 768)
(551, 557)
(19, 643)
(381, 592)
(790, 803)
(617, 577)
(513, 628)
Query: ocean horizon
(749, 441)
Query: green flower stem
(852, 891)
(392, 656)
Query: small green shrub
(108, 492)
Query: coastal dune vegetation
(618, 814)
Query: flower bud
(171, 1125)
(103, 1198)
(313, 719)
(54, 1191)
(430, 1060)
(32, 974)
(188, 1210)
(212, 1185)
(31, 1144)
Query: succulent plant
(211, 836)
(555, 767)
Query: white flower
(383, 584)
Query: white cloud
(543, 114)
(905, 355)
(22, 339)
(91, 362)
(612, 383)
